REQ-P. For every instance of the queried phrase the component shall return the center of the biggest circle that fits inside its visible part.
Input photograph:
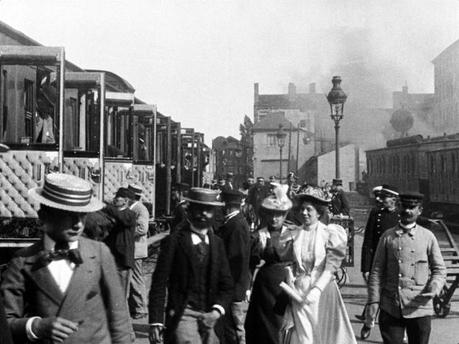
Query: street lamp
(281, 134)
(336, 98)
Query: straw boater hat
(204, 196)
(312, 194)
(66, 192)
(136, 189)
(279, 201)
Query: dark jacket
(236, 237)
(379, 220)
(120, 239)
(174, 277)
(5, 335)
(92, 298)
(339, 203)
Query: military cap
(411, 198)
(388, 191)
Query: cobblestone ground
(444, 331)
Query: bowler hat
(279, 200)
(312, 194)
(204, 196)
(231, 197)
(125, 193)
(66, 192)
(136, 189)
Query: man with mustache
(192, 284)
(408, 271)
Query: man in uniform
(383, 216)
(339, 204)
(65, 287)
(235, 233)
(408, 271)
(192, 284)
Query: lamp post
(336, 98)
(281, 142)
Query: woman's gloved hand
(313, 296)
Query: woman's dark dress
(268, 301)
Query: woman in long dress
(316, 313)
(272, 251)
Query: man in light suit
(138, 291)
(65, 287)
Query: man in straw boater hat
(138, 290)
(65, 287)
(192, 284)
(235, 233)
(408, 271)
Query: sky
(197, 60)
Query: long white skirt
(320, 323)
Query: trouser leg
(392, 329)
(238, 312)
(187, 331)
(418, 330)
(138, 292)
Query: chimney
(255, 92)
(312, 88)
(291, 91)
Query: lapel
(41, 275)
(297, 244)
(213, 256)
(185, 242)
(82, 275)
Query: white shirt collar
(231, 215)
(49, 243)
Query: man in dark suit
(229, 182)
(65, 287)
(120, 238)
(235, 233)
(193, 272)
(339, 204)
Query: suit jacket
(405, 266)
(339, 203)
(94, 298)
(141, 230)
(120, 239)
(379, 220)
(5, 335)
(174, 275)
(235, 234)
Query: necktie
(46, 257)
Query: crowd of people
(250, 265)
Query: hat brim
(92, 206)
(311, 198)
(215, 204)
(284, 209)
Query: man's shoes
(137, 316)
(361, 317)
(365, 332)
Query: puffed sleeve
(336, 247)
(335, 252)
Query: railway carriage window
(28, 111)
(453, 164)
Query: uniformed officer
(408, 271)
(383, 216)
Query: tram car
(429, 165)
(55, 116)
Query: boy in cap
(138, 290)
(235, 233)
(192, 284)
(65, 287)
(408, 271)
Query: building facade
(446, 78)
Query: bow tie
(73, 255)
